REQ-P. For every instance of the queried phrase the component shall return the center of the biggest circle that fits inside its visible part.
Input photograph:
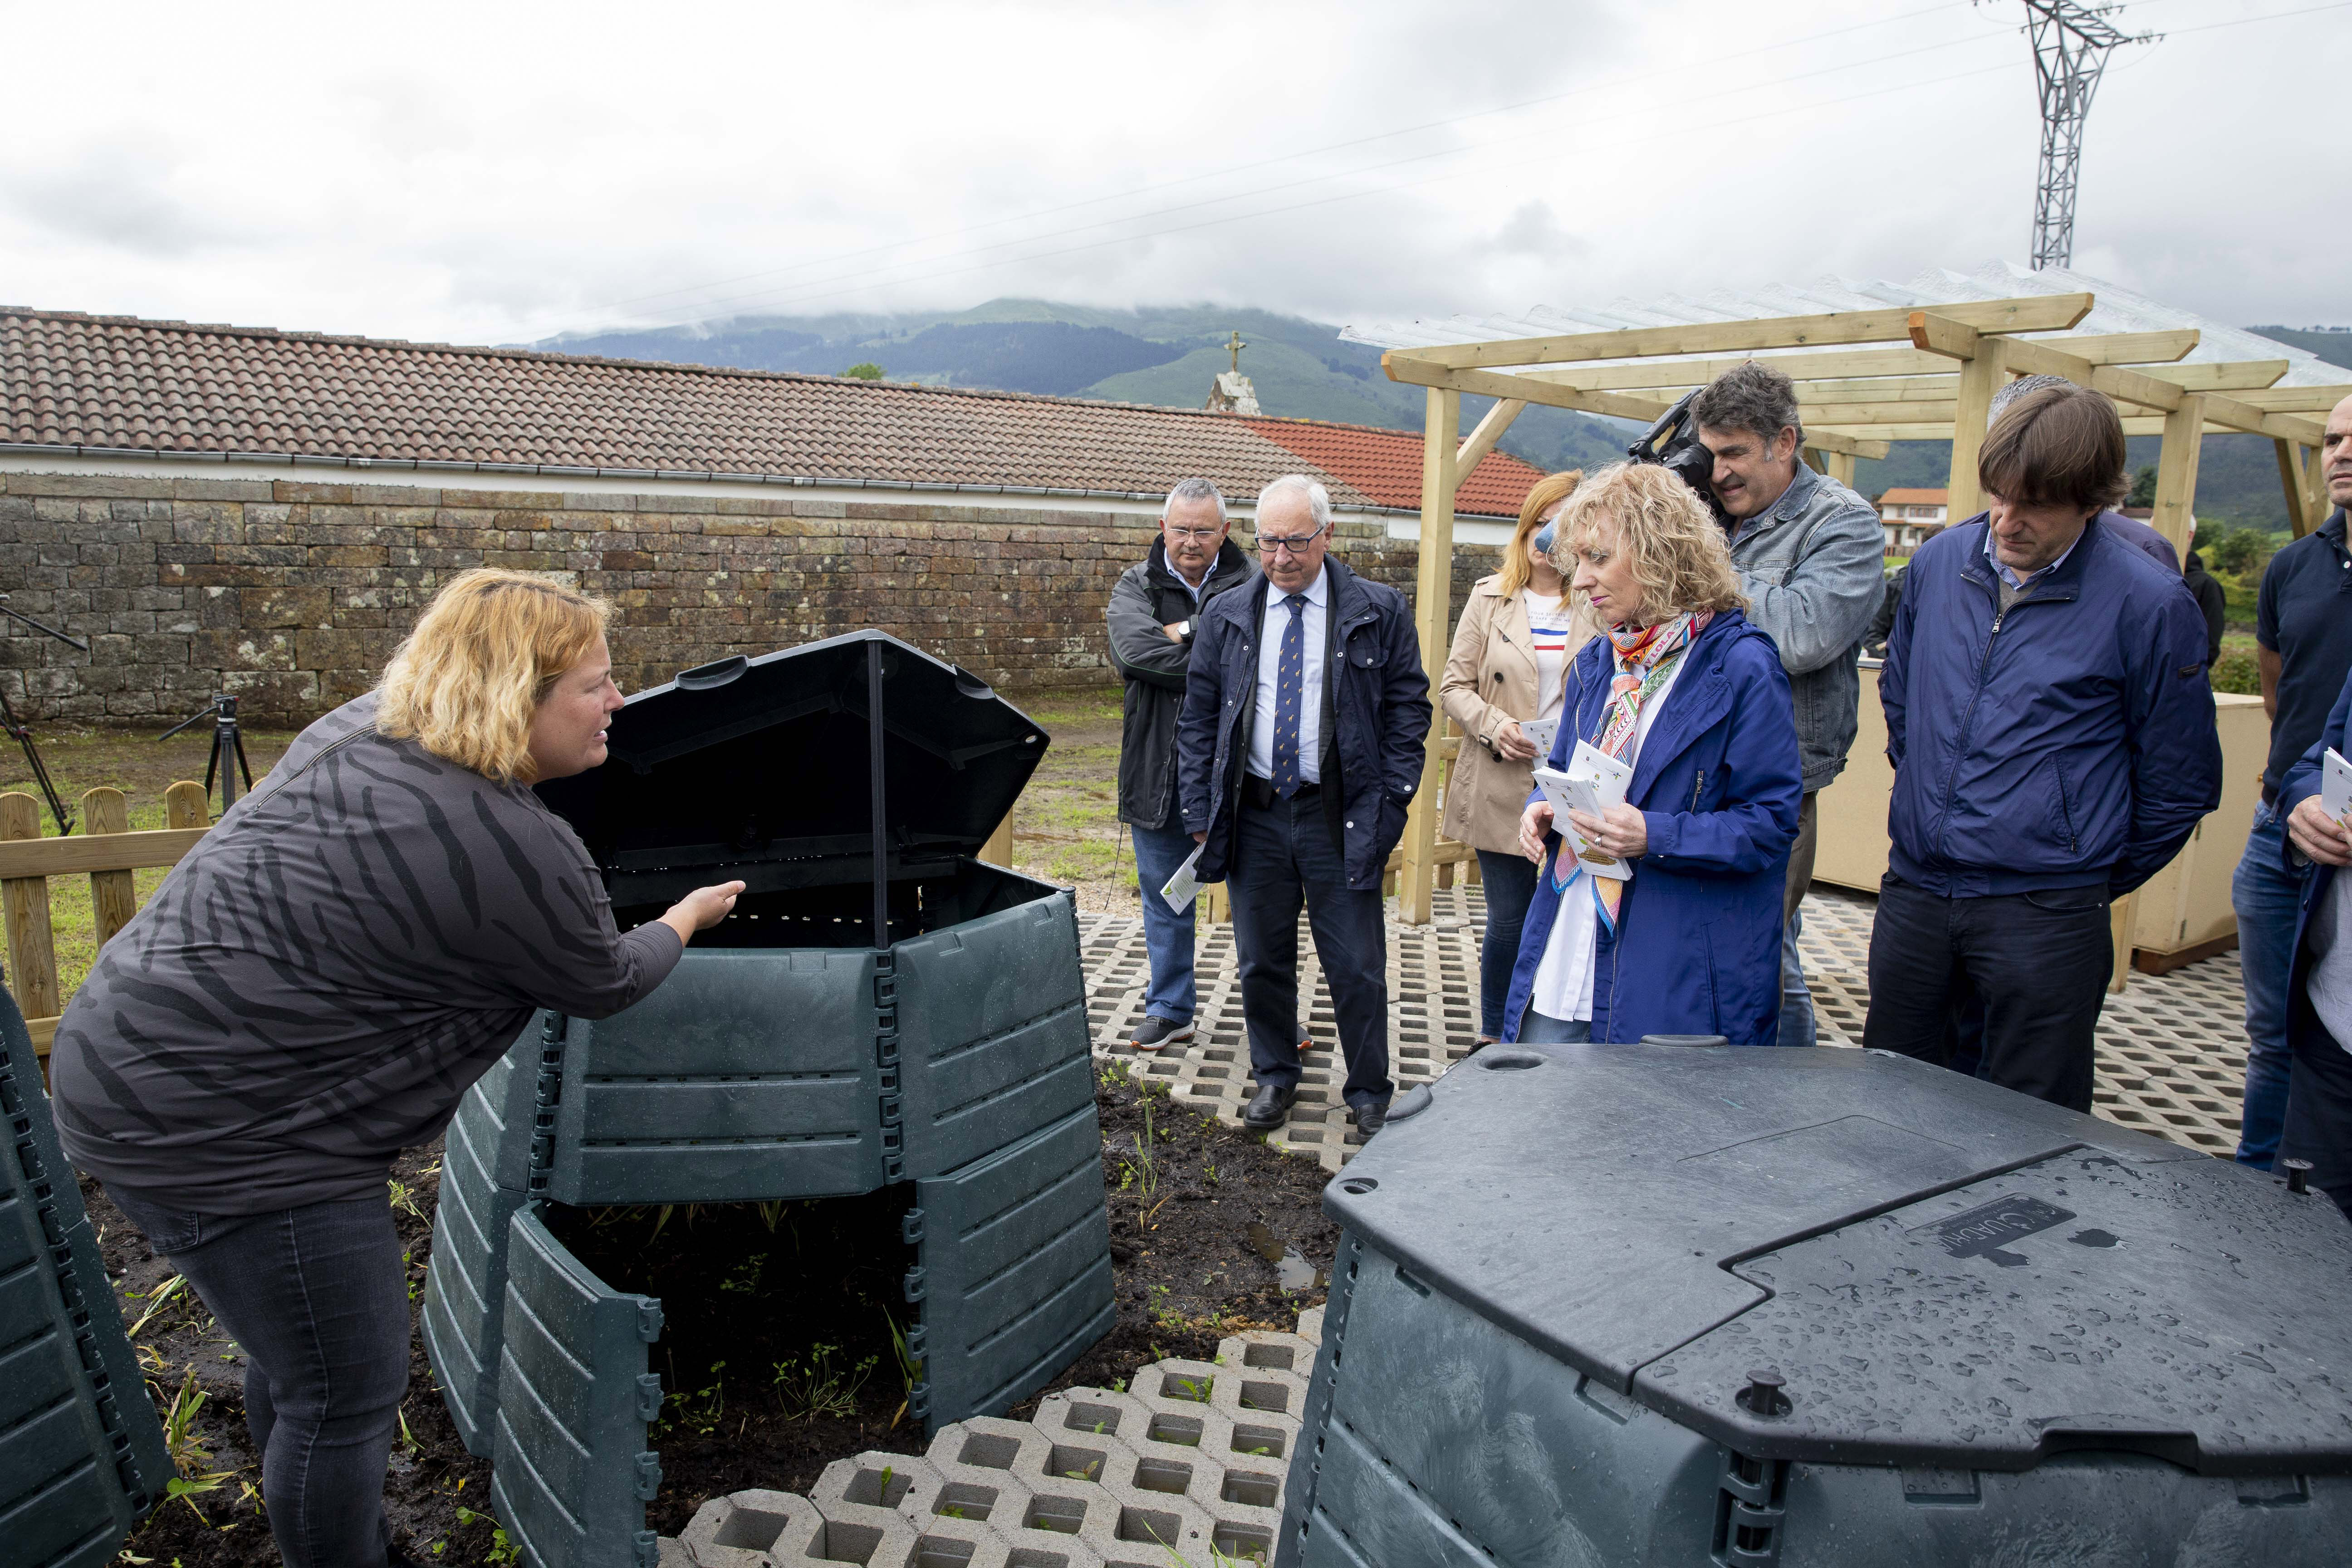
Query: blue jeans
(1796, 1001)
(318, 1299)
(1283, 858)
(1543, 1029)
(2267, 897)
(1166, 935)
(1509, 883)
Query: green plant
(1162, 1315)
(703, 1408)
(157, 1299)
(744, 1278)
(864, 370)
(811, 1387)
(771, 1212)
(502, 1549)
(911, 1369)
(190, 1479)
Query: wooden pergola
(1932, 381)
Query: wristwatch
(1187, 631)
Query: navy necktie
(1289, 684)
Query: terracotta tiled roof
(1915, 498)
(1386, 464)
(112, 381)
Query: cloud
(325, 169)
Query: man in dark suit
(1305, 710)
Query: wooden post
(997, 850)
(2176, 473)
(32, 954)
(186, 804)
(1979, 378)
(1434, 614)
(112, 897)
(2290, 467)
(1840, 467)
(1215, 906)
(2121, 916)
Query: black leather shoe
(1370, 1118)
(1269, 1108)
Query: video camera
(1672, 443)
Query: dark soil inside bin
(776, 1350)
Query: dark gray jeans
(1283, 859)
(317, 1299)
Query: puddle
(1290, 1264)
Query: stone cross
(1234, 348)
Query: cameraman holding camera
(1810, 555)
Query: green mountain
(1167, 355)
(1162, 355)
(2333, 344)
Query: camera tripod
(228, 748)
(23, 735)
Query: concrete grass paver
(2171, 1050)
(1189, 1461)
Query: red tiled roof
(1386, 464)
(73, 380)
(1915, 498)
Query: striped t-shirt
(314, 986)
(1548, 623)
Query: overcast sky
(495, 173)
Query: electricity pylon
(2071, 44)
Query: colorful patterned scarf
(1645, 660)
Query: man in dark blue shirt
(2303, 628)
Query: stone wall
(293, 595)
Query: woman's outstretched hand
(700, 909)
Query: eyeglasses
(1267, 545)
(1195, 534)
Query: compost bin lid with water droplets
(1941, 1273)
(766, 758)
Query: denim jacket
(1814, 565)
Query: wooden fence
(108, 853)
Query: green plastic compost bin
(81, 1453)
(1651, 1305)
(883, 1010)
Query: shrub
(2237, 673)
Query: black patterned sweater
(317, 983)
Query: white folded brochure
(2335, 787)
(1541, 732)
(1592, 781)
(1183, 887)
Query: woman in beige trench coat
(1517, 635)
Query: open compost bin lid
(1940, 1272)
(762, 764)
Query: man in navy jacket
(1306, 707)
(2053, 736)
(2319, 978)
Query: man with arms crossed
(2303, 636)
(1155, 615)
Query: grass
(142, 769)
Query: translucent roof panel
(2119, 309)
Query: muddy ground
(777, 1354)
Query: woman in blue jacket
(1671, 923)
